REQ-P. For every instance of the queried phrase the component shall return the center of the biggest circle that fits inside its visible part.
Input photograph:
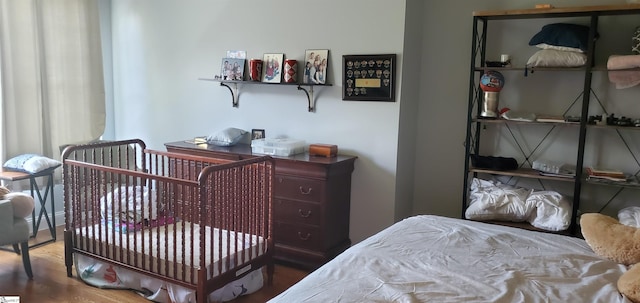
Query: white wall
(161, 48)
(410, 151)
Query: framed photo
(257, 134)
(315, 68)
(368, 77)
(272, 68)
(232, 69)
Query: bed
(173, 227)
(430, 258)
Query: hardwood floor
(50, 282)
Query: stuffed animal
(3, 191)
(618, 242)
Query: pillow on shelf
(556, 58)
(226, 137)
(31, 163)
(560, 48)
(563, 34)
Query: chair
(14, 229)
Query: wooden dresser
(311, 203)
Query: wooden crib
(191, 221)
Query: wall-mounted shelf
(233, 87)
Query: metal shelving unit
(478, 57)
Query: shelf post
(233, 91)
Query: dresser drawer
(296, 212)
(299, 189)
(307, 237)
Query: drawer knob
(304, 238)
(303, 214)
(302, 191)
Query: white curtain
(51, 76)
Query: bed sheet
(437, 259)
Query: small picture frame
(316, 62)
(368, 77)
(272, 68)
(257, 134)
(232, 69)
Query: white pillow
(496, 201)
(226, 137)
(556, 58)
(630, 216)
(131, 204)
(560, 48)
(552, 210)
(31, 163)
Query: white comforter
(438, 259)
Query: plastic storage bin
(278, 147)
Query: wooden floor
(50, 282)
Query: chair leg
(16, 248)
(25, 259)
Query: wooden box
(323, 150)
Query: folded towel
(624, 78)
(623, 62)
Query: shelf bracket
(234, 92)
(312, 102)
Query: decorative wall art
(232, 69)
(315, 66)
(368, 77)
(272, 68)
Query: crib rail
(194, 221)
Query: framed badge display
(368, 77)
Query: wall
(161, 48)
(410, 151)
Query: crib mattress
(143, 245)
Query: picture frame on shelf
(316, 64)
(368, 77)
(232, 69)
(257, 134)
(272, 67)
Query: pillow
(491, 200)
(226, 137)
(30, 163)
(552, 210)
(563, 34)
(560, 48)
(556, 58)
(630, 216)
(131, 204)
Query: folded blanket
(616, 62)
(624, 78)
